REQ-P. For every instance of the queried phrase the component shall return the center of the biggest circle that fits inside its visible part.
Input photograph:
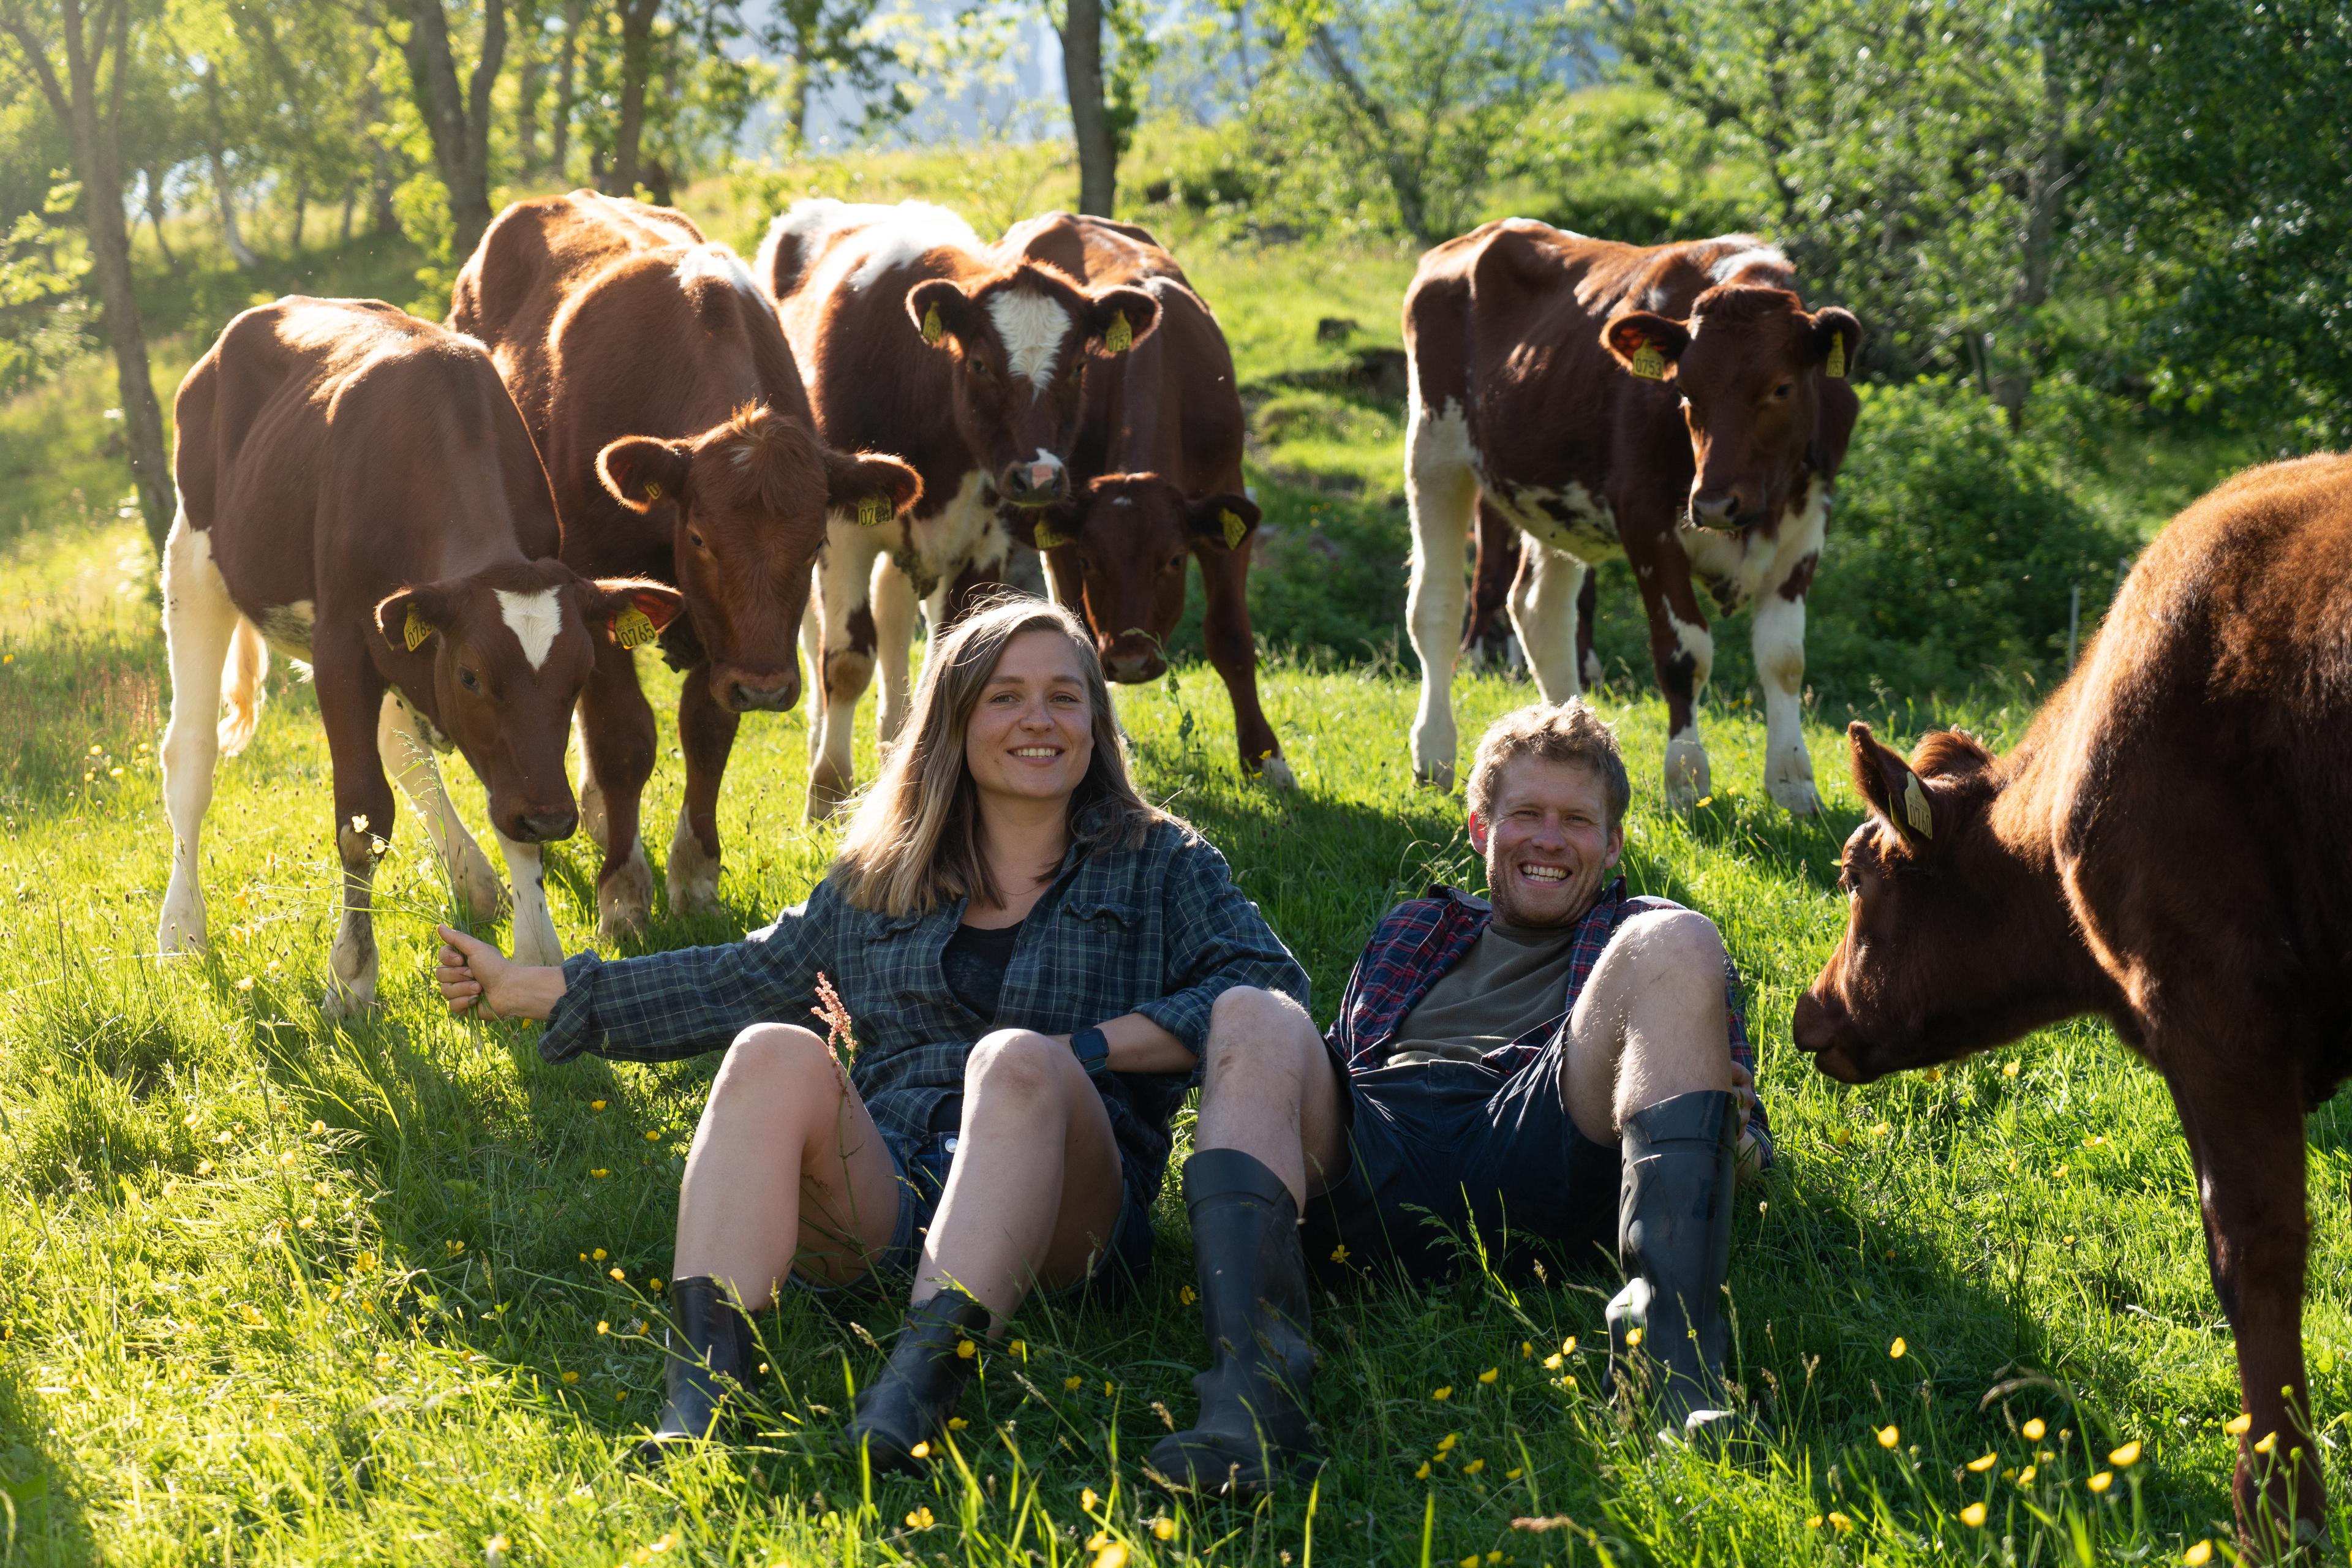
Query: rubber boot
(712, 1355)
(909, 1403)
(1673, 1239)
(1254, 1426)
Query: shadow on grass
(44, 1520)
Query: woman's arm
(1139, 1044)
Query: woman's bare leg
(782, 1138)
(1036, 1187)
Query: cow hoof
(624, 899)
(1436, 775)
(343, 1002)
(1798, 798)
(1276, 774)
(825, 797)
(535, 943)
(693, 874)
(181, 931)
(1686, 774)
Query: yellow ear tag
(1047, 538)
(633, 628)
(1121, 337)
(1650, 361)
(933, 331)
(416, 631)
(653, 492)
(1234, 528)
(1914, 807)
(872, 512)
(1836, 363)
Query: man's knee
(1018, 1061)
(1674, 946)
(1253, 1032)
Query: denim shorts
(1448, 1156)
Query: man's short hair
(1554, 732)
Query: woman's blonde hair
(914, 841)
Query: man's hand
(472, 974)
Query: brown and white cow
(2165, 849)
(918, 339)
(1673, 404)
(678, 439)
(357, 488)
(1156, 480)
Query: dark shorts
(1450, 1159)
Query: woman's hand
(473, 974)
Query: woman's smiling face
(1031, 735)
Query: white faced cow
(1674, 404)
(357, 489)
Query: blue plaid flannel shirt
(1417, 942)
(1160, 930)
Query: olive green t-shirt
(1512, 980)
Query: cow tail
(241, 673)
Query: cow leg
(1442, 492)
(1497, 561)
(706, 733)
(535, 941)
(892, 599)
(591, 794)
(199, 623)
(1232, 650)
(1682, 650)
(843, 661)
(1588, 604)
(1543, 612)
(400, 745)
(350, 696)
(616, 732)
(2246, 1137)
(1779, 642)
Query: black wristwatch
(1092, 1049)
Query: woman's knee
(1018, 1061)
(776, 1060)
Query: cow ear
(874, 487)
(408, 618)
(631, 610)
(1646, 344)
(1893, 790)
(1118, 319)
(1223, 518)
(1836, 340)
(943, 312)
(640, 470)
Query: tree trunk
(351, 199)
(457, 121)
(1403, 174)
(637, 64)
(154, 180)
(2045, 189)
(527, 78)
(559, 151)
(301, 209)
(798, 72)
(1089, 124)
(224, 195)
(93, 128)
(384, 220)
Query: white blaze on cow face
(1032, 328)
(534, 618)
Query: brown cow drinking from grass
(2165, 849)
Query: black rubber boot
(1673, 1239)
(909, 1402)
(1254, 1427)
(712, 1355)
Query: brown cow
(678, 439)
(357, 488)
(1672, 404)
(919, 339)
(2166, 849)
(1156, 480)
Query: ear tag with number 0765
(415, 631)
(633, 628)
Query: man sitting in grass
(1530, 1068)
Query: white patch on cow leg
(841, 675)
(1032, 328)
(200, 625)
(534, 618)
(892, 601)
(1543, 612)
(1442, 490)
(534, 924)
(585, 786)
(1779, 646)
(624, 900)
(1688, 777)
(693, 874)
(400, 741)
(352, 961)
(1697, 645)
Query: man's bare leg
(1269, 1090)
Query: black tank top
(973, 965)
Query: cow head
(1020, 339)
(499, 661)
(1750, 365)
(1953, 942)
(1126, 540)
(745, 505)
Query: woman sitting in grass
(1029, 953)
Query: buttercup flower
(2034, 1429)
(1889, 1436)
(920, 1519)
(2101, 1481)
(1973, 1516)
(2199, 1555)
(2239, 1425)
(1490, 1374)
(1442, 1394)
(1898, 1348)
(1984, 1462)
(2125, 1457)
(1163, 1529)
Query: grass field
(279, 1291)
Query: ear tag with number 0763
(633, 628)
(415, 631)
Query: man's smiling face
(1547, 842)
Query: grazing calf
(2165, 849)
(1156, 481)
(357, 488)
(918, 339)
(677, 436)
(1674, 404)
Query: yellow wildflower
(920, 1519)
(1898, 1348)
(2269, 1442)
(1113, 1555)
(2199, 1555)
(1445, 1444)
(966, 1350)
(1551, 1362)
(571, 1377)
(615, 1272)
(1490, 1374)
(921, 1450)
(1019, 1349)
(1841, 1521)
(596, 1105)
(1973, 1516)
(2034, 1429)
(600, 1172)
(1889, 1436)
(1339, 1253)
(2025, 1475)
(598, 1255)
(1187, 1296)
(1442, 1394)
(1633, 1337)
(1087, 1499)
(1421, 1474)
(1073, 1383)
(1163, 1529)
(1527, 1350)
(1514, 1473)
(1473, 1467)
(2009, 1069)
(957, 1423)
(2125, 1457)
(1984, 1462)
(2239, 1425)
(2101, 1481)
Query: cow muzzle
(1132, 660)
(1721, 508)
(545, 827)
(1824, 1030)
(1041, 481)
(741, 690)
